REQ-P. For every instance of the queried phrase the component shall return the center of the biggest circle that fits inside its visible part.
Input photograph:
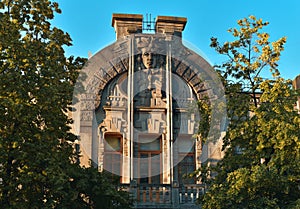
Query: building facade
(296, 85)
(138, 111)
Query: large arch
(122, 57)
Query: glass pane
(144, 168)
(116, 166)
(107, 162)
(185, 167)
(144, 155)
(149, 143)
(186, 145)
(144, 180)
(155, 179)
(189, 159)
(155, 168)
(112, 162)
(112, 143)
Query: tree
(261, 166)
(37, 160)
(98, 190)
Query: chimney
(126, 24)
(170, 25)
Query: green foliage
(37, 159)
(91, 189)
(100, 191)
(251, 52)
(204, 112)
(261, 167)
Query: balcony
(154, 195)
(164, 196)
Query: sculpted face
(149, 59)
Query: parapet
(126, 24)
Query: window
(112, 153)
(149, 150)
(186, 155)
(186, 167)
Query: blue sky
(89, 23)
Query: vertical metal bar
(129, 103)
(132, 107)
(169, 112)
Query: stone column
(88, 130)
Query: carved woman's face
(149, 59)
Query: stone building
(138, 111)
(296, 85)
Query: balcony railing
(154, 194)
(165, 196)
(190, 193)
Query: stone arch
(120, 57)
(115, 59)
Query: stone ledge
(126, 17)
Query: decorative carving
(121, 48)
(155, 44)
(126, 63)
(150, 79)
(86, 116)
(114, 122)
(195, 81)
(153, 125)
(106, 76)
(189, 74)
(125, 147)
(120, 67)
(94, 84)
(199, 88)
(101, 74)
(87, 105)
(87, 96)
(97, 100)
(181, 68)
(111, 72)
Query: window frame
(113, 153)
(149, 157)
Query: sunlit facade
(138, 112)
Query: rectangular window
(149, 150)
(112, 161)
(186, 167)
(186, 155)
